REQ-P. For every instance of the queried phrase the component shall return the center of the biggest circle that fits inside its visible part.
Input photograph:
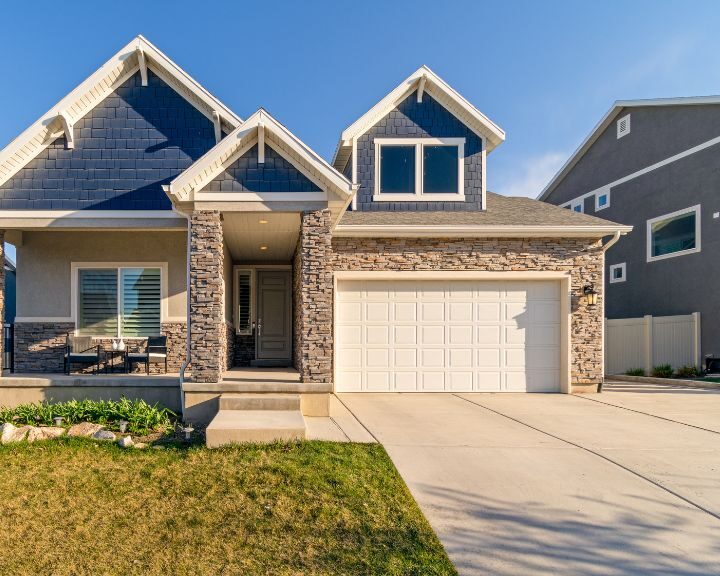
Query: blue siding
(137, 139)
(275, 175)
(412, 120)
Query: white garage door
(441, 336)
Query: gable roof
(505, 216)
(440, 91)
(607, 120)
(225, 152)
(138, 55)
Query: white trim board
(698, 232)
(379, 231)
(647, 169)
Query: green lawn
(71, 506)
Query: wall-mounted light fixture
(590, 294)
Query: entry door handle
(259, 326)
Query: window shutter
(97, 302)
(140, 301)
(244, 302)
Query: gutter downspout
(609, 244)
(188, 350)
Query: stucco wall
(582, 258)
(44, 261)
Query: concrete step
(260, 402)
(236, 426)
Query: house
(391, 269)
(653, 165)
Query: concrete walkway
(556, 484)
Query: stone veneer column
(207, 328)
(314, 299)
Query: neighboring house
(653, 165)
(391, 269)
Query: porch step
(260, 402)
(236, 426)
(270, 363)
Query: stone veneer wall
(208, 337)
(40, 347)
(313, 299)
(583, 258)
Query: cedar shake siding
(135, 140)
(275, 175)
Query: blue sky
(544, 71)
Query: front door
(274, 326)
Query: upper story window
(674, 234)
(419, 169)
(578, 205)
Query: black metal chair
(80, 350)
(155, 349)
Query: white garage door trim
(563, 278)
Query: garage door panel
(488, 311)
(448, 335)
(432, 312)
(377, 335)
(405, 311)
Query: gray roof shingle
(501, 211)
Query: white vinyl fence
(651, 341)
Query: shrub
(662, 371)
(141, 417)
(688, 371)
(635, 372)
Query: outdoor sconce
(123, 424)
(590, 294)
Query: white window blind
(244, 295)
(140, 302)
(98, 302)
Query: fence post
(697, 349)
(648, 344)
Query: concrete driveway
(623, 482)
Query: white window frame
(684, 211)
(623, 267)
(419, 196)
(75, 267)
(627, 123)
(577, 202)
(598, 207)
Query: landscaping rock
(140, 445)
(103, 435)
(126, 442)
(10, 433)
(49, 432)
(33, 434)
(85, 429)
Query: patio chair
(81, 350)
(155, 350)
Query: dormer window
(419, 169)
